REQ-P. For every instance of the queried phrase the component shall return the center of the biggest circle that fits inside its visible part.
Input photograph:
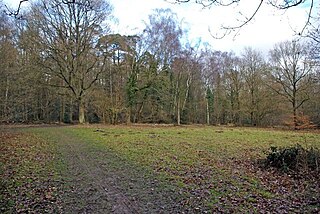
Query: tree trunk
(5, 108)
(295, 123)
(208, 113)
(81, 111)
(187, 92)
(178, 113)
(252, 107)
(70, 111)
(251, 118)
(129, 110)
(62, 110)
(104, 117)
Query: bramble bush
(294, 158)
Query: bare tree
(8, 58)
(313, 35)
(213, 72)
(162, 36)
(252, 64)
(290, 71)
(184, 68)
(68, 33)
(233, 86)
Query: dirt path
(99, 181)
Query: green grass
(194, 157)
(209, 160)
(182, 146)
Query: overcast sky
(269, 26)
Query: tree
(252, 65)
(246, 18)
(118, 81)
(210, 103)
(313, 35)
(159, 46)
(162, 36)
(233, 86)
(14, 12)
(68, 32)
(8, 58)
(213, 73)
(291, 72)
(184, 68)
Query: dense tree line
(61, 63)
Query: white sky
(269, 26)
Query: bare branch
(247, 19)
(278, 4)
(15, 13)
(287, 4)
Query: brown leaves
(27, 184)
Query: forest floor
(150, 169)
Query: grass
(182, 146)
(212, 166)
(209, 162)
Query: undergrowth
(293, 158)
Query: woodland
(60, 61)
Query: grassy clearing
(213, 166)
(179, 146)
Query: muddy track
(98, 181)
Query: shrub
(294, 158)
(300, 122)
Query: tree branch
(16, 12)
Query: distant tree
(210, 103)
(8, 61)
(252, 65)
(313, 35)
(119, 77)
(291, 70)
(184, 68)
(213, 70)
(160, 45)
(233, 86)
(68, 32)
(162, 36)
